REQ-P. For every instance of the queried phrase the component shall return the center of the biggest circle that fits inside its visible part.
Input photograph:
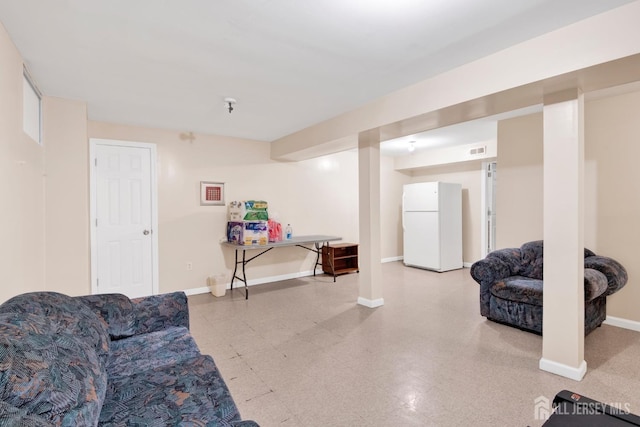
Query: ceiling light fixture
(412, 146)
(229, 103)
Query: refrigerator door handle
(403, 229)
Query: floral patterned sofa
(511, 286)
(106, 360)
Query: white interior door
(123, 193)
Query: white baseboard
(197, 291)
(564, 370)
(270, 279)
(622, 323)
(371, 303)
(401, 258)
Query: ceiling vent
(476, 151)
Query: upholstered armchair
(511, 286)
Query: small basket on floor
(217, 284)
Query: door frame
(93, 143)
(485, 205)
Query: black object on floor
(572, 409)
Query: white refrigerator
(432, 225)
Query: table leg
(244, 276)
(318, 250)
(235, 270)
(244, 262)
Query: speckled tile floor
(302, 353)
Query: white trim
(483, 209)
(392, 259)
(467, 264)
(198, 291)
(93, 143)
(622, 323)
(371, 303)
(263, 280)
(28, 78)
(564, 370)
(92, 217)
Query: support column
(563, 303)
(369, 207)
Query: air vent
(476, 151)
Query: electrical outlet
(189, 266)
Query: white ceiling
(289, 63)
(480, 130)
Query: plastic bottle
(288, 232)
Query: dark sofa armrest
(490, 269)
(615, 273)
(247, 423)
(595, 284)
(158, 312)
(486, 272)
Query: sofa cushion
(190, 392)
(116, 312)
(155, 349)
(531, 262)
(519, 289)
(66, 315)
(156, 312)
(12, 416)
(529, 291)
(52, 374)
(532, 259)
(510, 258)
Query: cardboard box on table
(248, 232)
(248, 210)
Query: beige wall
(469, 175)
(21, 185)
(519, 181)
(66, 196)
(391, 183)
(44, 220)
(612, 201)
(317, 196)
(44, 223)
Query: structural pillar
(369, 257)
(563, 297)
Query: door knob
(145, 232)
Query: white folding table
(318, 241)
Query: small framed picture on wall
(211, 193)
